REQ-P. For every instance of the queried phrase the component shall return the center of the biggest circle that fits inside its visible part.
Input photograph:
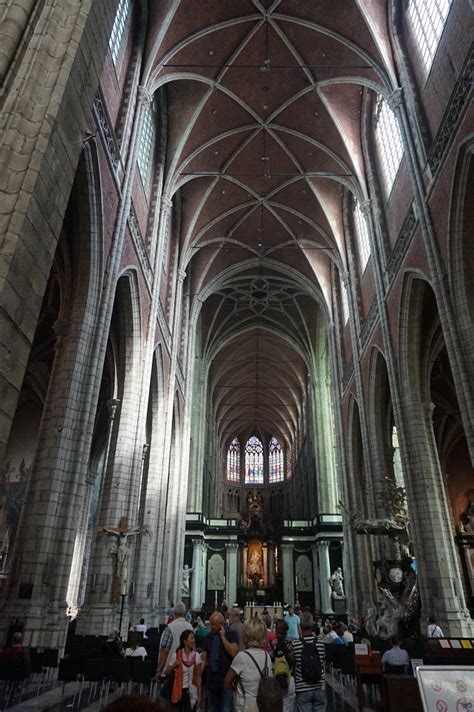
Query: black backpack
(269, 695)
(311, 670)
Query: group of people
(226, 673)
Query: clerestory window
(253, 461)
(276, 469)
(147, 142)
(362, 238)
(233, 461)
(118, 29)
(428, 18)
(389, 142)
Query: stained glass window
(276, 470)
(428, 18)
(233, 461)
(289, 469)
(253, 462)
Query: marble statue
(185, 576)
(336, 582)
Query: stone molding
(164, 327)
(457, 103)
(369, 322)
(107, 133)
(140, 249)
(401, 245)
(347, 373)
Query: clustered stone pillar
(231, 570)
(316, 586)
(197, 575)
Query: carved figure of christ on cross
(120, 584)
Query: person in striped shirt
(310, 694)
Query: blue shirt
(292, 621)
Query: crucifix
(120, 583)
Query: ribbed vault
(264, 140)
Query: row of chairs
(104, 673)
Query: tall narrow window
(233, 461)
(428, 18)
(289, 469)
(389, 142)
(344, 302)
(276, 470)
(118, 29)
(147, 142)
(253, 462)
(362, 237)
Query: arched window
(428, 18)
(233, 461)
(118, 29)
(253, 462)
(147, 142)
(344, 301)
(276, 470)
(362, 236)
(389, 142)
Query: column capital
(112, 406)
(181, 275)
(232, 546)
(365, 206)
(90, 477)
(395, 98)
(144, 95)
(166, 204)
(287, 547)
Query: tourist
(396, 655)
(433, 630)
(170, 637)
(293, 623)
(328, 634)
(218, 650)
(236, 625)
(249, 665)
(347, 633)
(340, 639)
(141, 628)
(310, 688)
(280, 646)
(186, 663)
(135, 650)
(113, 647)
(15, 660)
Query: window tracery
(276, 470)
(233, 461)
(147, 142)
(428, 18)
(253, 461)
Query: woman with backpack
(251, 673)
(281, 653)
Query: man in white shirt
(141, 628)
(170, 637)
(395, 656)
(433, 630)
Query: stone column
(325, 573)
(316, 586)
(288, 574)
(231, 573)
(203, 573)
(271, 565)
(197, 575)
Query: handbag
(167, 686)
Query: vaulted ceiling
(264, 102)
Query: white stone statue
(185, 576)
(336, 582)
